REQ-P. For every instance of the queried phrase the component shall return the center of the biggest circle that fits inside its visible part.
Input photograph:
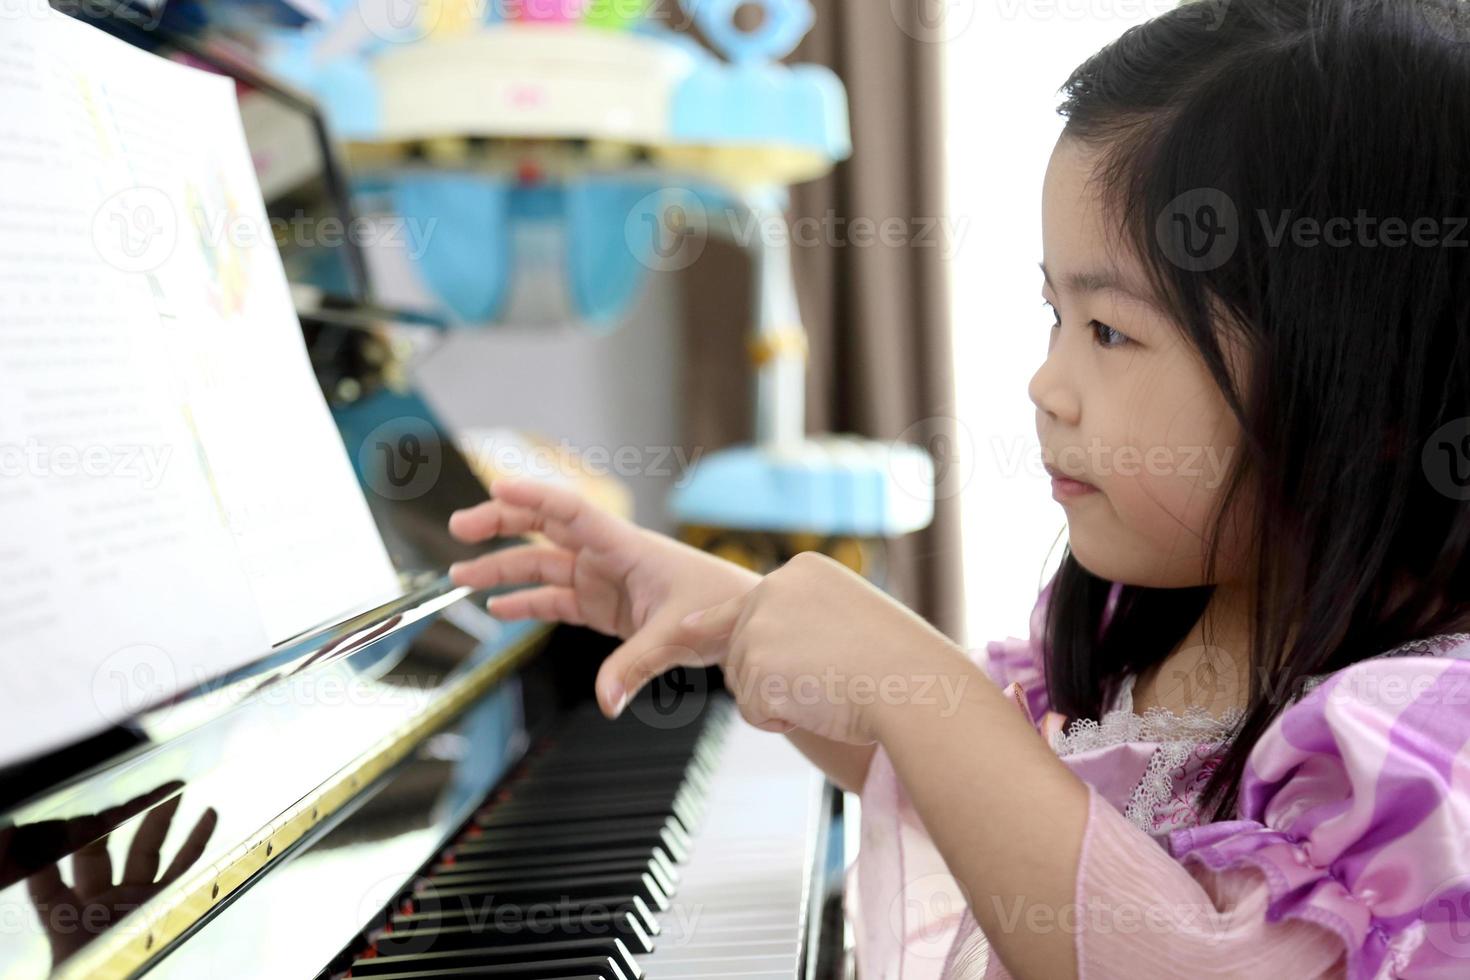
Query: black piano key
(540, 890)
(536, 861)
(676, 844)
(523, 954)
(584, 837)
(591, 966)
(433, 934)
(568, 911)
(612, 825)
(456, 874)
(591, 811)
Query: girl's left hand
(815, 646)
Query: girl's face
(1124, 403)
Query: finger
(565, 516)
(83, 829)
(48, 891)
(91, 868)
(643, 657)
(142, 863)
(708, 625)
(756, 716)
(551, 603)
(523, 564)
(192, 848)
(776, 726)
(493, 519)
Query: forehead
(1078, 234)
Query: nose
(1051, 391)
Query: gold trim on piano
(124, 950)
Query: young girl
(1240, 749)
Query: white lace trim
(1178, 736)
(1157, 724)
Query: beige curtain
(881, 356)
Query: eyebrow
(1095, 282)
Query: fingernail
(456, 568)
(615, 696)
(693, 618)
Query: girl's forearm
(1006, 814)
(845, 765)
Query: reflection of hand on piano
(596, 570)
(73, 915)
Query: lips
(1058, 475)
(1065, 488)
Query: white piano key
(741, 906)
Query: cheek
(1167, 478)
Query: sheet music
(174, 493)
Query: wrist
(934, 680)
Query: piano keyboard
(620, 851)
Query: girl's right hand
(595, 570)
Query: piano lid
(99, 875)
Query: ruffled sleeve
(903, 904)
(1021, 661)
(1354, 824)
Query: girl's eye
(1106, 336)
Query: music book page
(175, 496)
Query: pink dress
(1350, 856)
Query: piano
(424, 792)
(417, 790)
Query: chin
(1130, 566)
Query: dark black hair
(1213, 122)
